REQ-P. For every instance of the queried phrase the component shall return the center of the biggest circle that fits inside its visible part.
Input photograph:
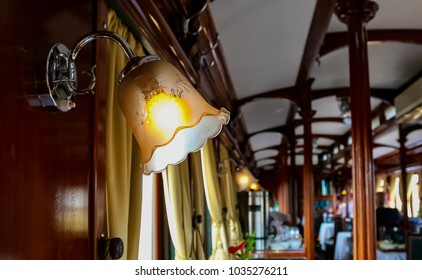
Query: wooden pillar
(308, 181)
(355, 14)
(346, 175)
(292, 180)
(403, 165)
(283, 185)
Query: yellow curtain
(395, 192)
(413, 194)
(229, 192)
(198, 204)
(408, 195)
(380, 184)
(179, 209)
(214, 203)
(123, 177)
(420, 194)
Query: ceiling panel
(264, 162)
(253, 32)
(380, 151)
(329, 128)
(389, 138)
(265, 140)
(265, 113)
(414, 137)
(265, 154)
(391, 64)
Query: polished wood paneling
(356, 14)
(45, 158)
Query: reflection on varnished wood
(45, 158)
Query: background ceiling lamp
(168, 117)
(345, 113)
(244, 178)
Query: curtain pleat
(396, 193)
(409, 194)
(213, 198)
(123, 177)
(198, 204)
(179, 209)
(228, 188)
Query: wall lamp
(244, 177)
(167, 116)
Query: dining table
(326, 231)
(391, 254)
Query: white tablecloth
(344, 247)
(381, 255)
(326, 231)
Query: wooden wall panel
(45, 158)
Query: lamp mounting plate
(54, 79)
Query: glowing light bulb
(244, 179)
(165, 113)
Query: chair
(347, 224)
(388, 221)
(414, 246)
(331, 242)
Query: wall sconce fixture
(244, 177)
(168, 117)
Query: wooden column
(403, 165)
(346, 176)
(292, 180)
(283, 185)
(355, 14)
(308, 181)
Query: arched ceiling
(272, 48)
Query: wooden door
(47, 164)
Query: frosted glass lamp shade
(168, 117)
(244, 178)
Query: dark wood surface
(286, 254)
(356, 16)
(45, 158)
